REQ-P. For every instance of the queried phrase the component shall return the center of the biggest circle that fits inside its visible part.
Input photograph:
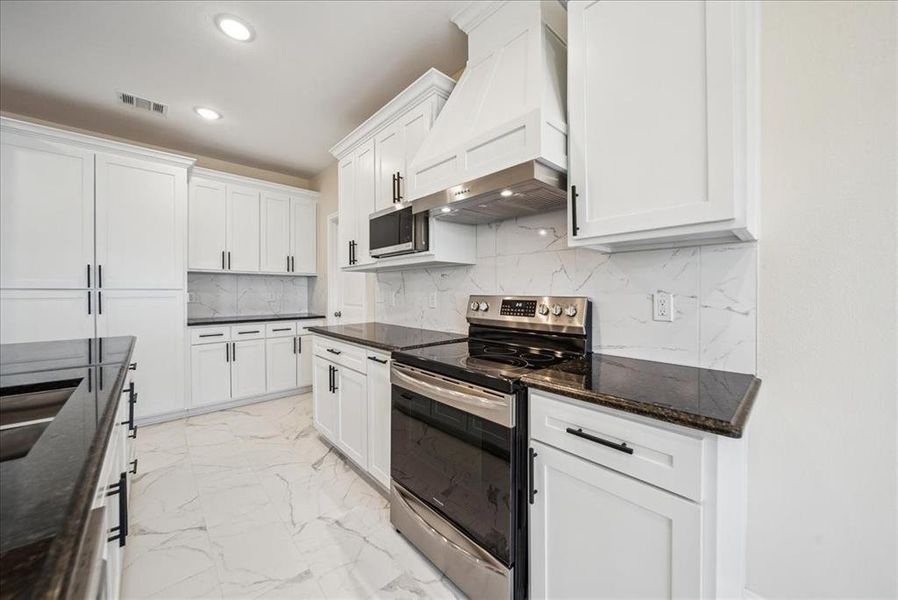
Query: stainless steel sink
(27, 412)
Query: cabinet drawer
(669, 460)
(280, 329)
(347, 355)
(301, 325)
(208, 335)
(250, 331)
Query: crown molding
(433, 82)
(474, 14)
(96, 144)
(224, 177)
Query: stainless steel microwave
(396, 231)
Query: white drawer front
(209, 335)
(249, 331)
(280, 329)
(669, 460)
(301, 325)
(351, 357)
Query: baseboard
(201, 410)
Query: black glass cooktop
(490, 364)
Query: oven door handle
(500, 410)
(482, 559)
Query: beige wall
(325, 183)
(201, 161)
(822, 452)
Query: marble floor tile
(250, 503)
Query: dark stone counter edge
(733, 428)
(59, 566)
(373, 344)
(250, 319)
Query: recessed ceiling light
(506, 193)
(234, 28)
(543, 232)
(446, 209)
(207, 113)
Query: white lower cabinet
(599, 534)
(281, 363)
(605, 521)
(210, 373)
(351, 407)
(247, 368)
(304, 350)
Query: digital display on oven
(518, 308)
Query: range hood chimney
(498, 149)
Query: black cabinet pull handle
(132, 366)
(134, 467)
(332, 351)
(99, 275)
(300, 343)
(394, 188)
(133, 434)
(229, 260)
(294, 344)
(281, 329)
(399, 179)
(233, 351)
(574, 227)
(377, 360)
(335, 380)
(227, 353)
(253, 331)
(622, 447)
(533, 490)
(88, 301)
(211, 335)
(88, 274)
(222, 260)
(120, 488)
(330, 378)
(99, 303)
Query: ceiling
(314, 72)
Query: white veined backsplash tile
(224, 294)
(714, 291)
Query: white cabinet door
(247, 368)
(352, 431)
(325, 401)
(379, 408)
(346, 208)
(281, 363)
(363, 197)
(304, 361)
(208, 224)
(415, 125)
(46, 214)
(141, 223)
(210, 373)
(44, 315)
(303, 235)
(595, 533)
(243, 229)
(156, 318)
(275, 232)
(652, 94)
(389, 162)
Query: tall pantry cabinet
(92, 243)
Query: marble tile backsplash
(714, 287)
(225, 294)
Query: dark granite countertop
(46, 495)
(251, 319)
(388, 337)
(713, 401)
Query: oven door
(452, 449)
(391, 232)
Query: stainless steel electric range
(459, 437)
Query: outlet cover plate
(662, 306)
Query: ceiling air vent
(142, 103)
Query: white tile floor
(249, 502)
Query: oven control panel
(568, 314)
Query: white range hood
(504, 127)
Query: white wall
(822, 465)
(714, 286)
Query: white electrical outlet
(433, 299)
(662, 306)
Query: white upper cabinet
(275, 232)
(208, 219)
(244, 238)
(364, 203)
(46, 213)
(347, 216)
(251, 226)
(141, 221)
(395, 148)
(661, 100)
(303, 236)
